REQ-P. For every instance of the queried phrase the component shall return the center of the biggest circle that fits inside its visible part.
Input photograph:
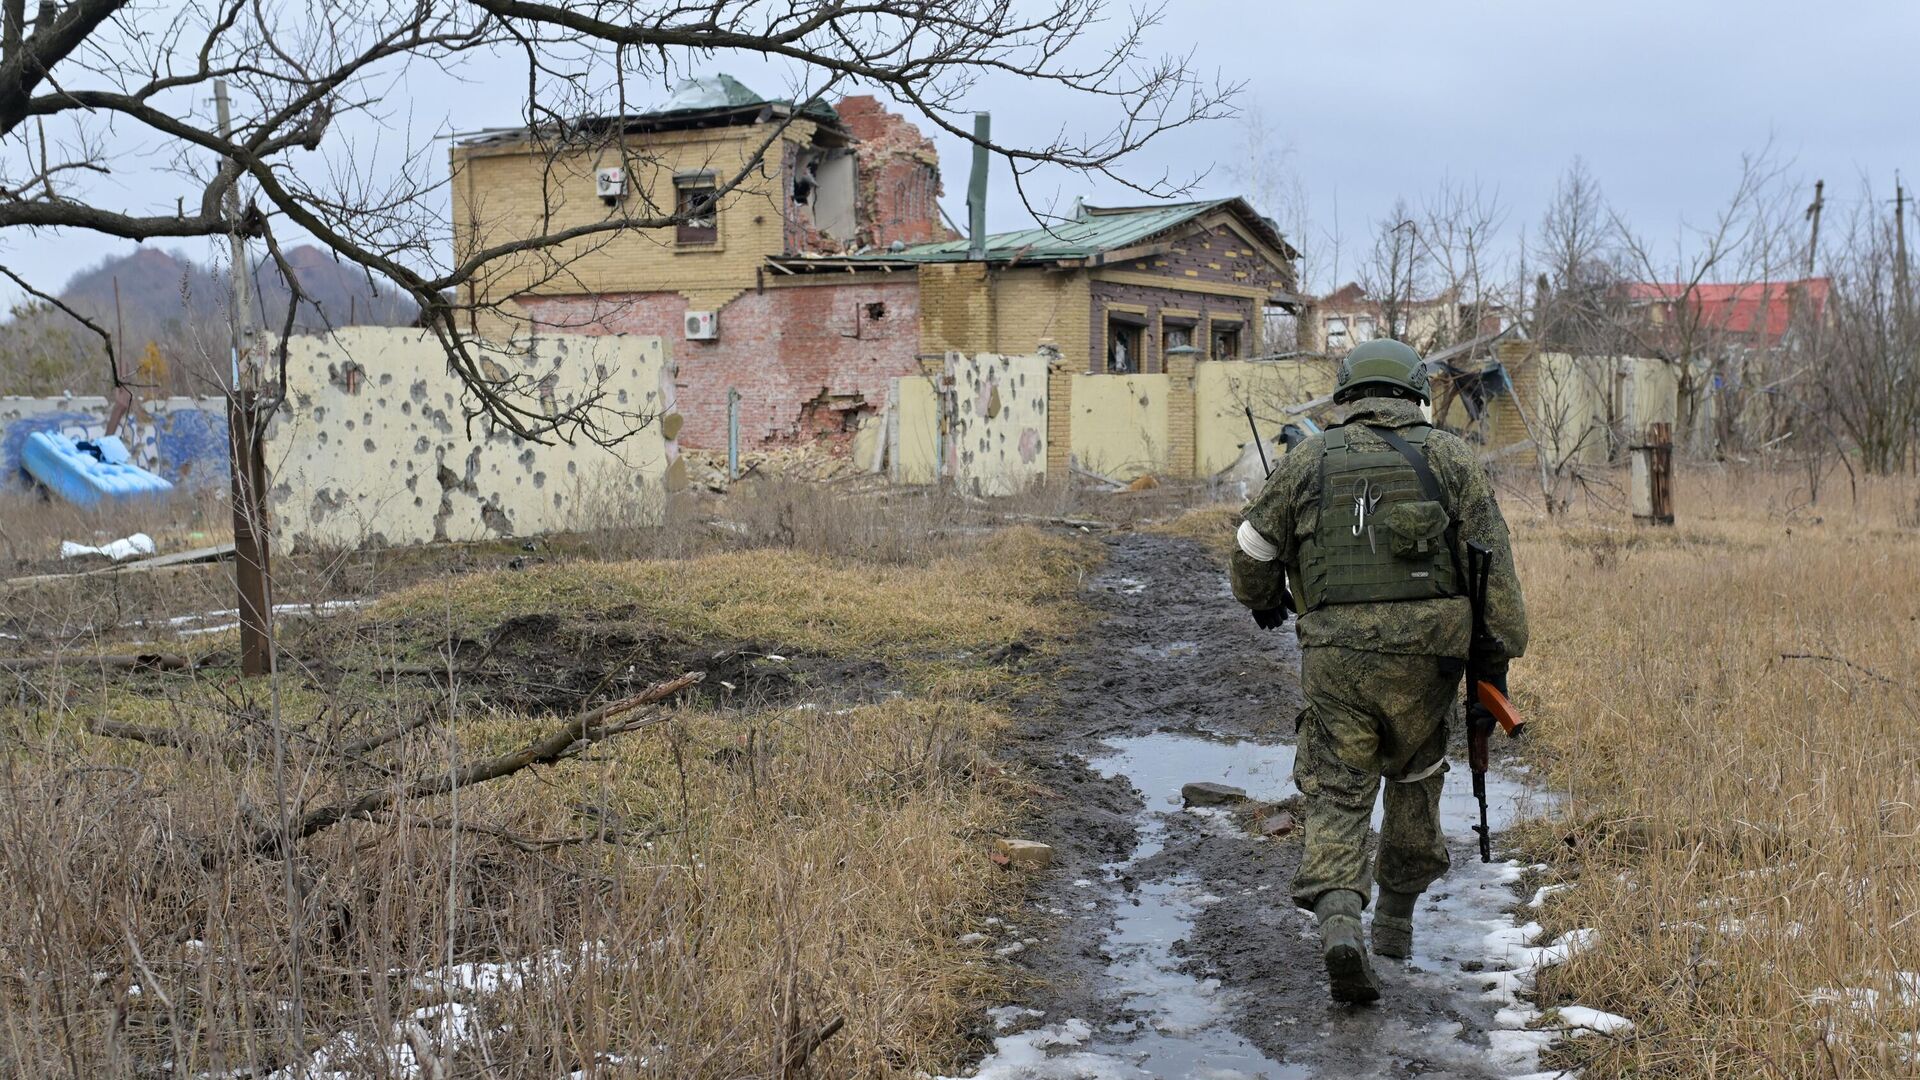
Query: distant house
(1752, 313)
(1111, 288)
(1349, 316)
(797, 298)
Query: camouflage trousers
(1371, 716)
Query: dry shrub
(1730, 707)
(701, 898)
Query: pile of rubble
(814, 464)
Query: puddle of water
(1185, 1033)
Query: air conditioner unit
(610, 184)
(702, 326)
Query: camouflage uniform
(1380, 679)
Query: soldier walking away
(1371, 520)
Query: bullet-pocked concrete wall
(181, 438)
(374, 448)
(999, 422)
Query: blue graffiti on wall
(186, 445)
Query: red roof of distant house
(1763, 307)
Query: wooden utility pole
(1899, 241)
(248, 460)
(1813, 215)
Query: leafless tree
(1575, 298)
(79, 75)
(1869, 346)
(1748, 242)
(1459, 236)
(1394, 271)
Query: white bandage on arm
(1257, 547)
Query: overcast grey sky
(1378, 98)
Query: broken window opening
(1123, 345)
(695, 203)
(1176, 335)
(876, 311)
(1226, 340)
(1336, 332)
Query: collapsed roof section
(706, 102)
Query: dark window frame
(1132, 328)
(696, 229)
(1218, 328)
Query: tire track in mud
(1163, 943)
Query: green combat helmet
(1385, 362)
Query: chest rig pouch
(1382, 533)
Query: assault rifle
(1486, 705)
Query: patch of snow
(1540, 895)
(1581, 1018)
(124, 548)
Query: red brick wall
(898, 175)
(807, 359)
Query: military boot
(1349, 971)
(1393, 924)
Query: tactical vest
(1378, 536)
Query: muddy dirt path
(1163, 942)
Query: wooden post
(252, 572)
(246, 457)
(1652, 488)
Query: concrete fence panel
(999, 422)
(374, 445)
(913, 430)
(1120, 424)
(1225, 389)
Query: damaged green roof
(1091, 232)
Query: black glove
(1271, 618)
(1494, 675)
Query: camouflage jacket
(1287, 510)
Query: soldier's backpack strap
(1428, 483)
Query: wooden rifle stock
(1497, 705)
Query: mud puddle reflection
(1177, 1024)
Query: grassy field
(770, 877)
(1730, 708)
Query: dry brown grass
(31, 527)
(1730, 708)
(692, 900)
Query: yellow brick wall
(1180, 418)
(515, 192)
(1060, 374)
(1035, 306)
(956, 308)
(967, 308)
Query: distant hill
(159, 289)
(181, 307)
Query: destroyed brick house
(828, 272)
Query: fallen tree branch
(361, 747)
(1861, 668)
(805, 1050)
(583, 730)
(140, 662)
(177, 738)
